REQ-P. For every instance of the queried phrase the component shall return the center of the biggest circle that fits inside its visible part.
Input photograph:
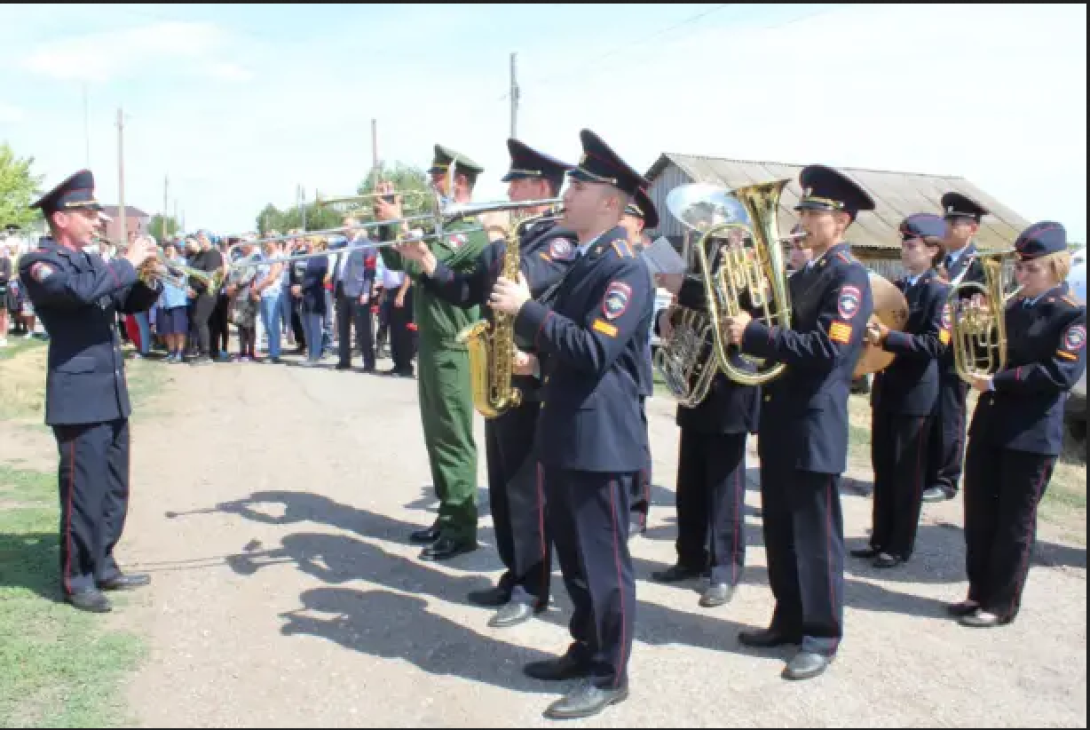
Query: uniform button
(768, 399)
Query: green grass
(17, 345)
(58, 667)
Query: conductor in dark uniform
(947, 451)
(591, 441)
(77, 297)
(1018, 427)
(711, 474)
(803, 431)
(546, 251)
(905, 396)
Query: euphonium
(978, 328)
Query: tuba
(741, 264)
(978, 328)
(491, 345)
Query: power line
(626, 47)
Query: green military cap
(444, 156)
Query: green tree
(155, 227)
(18, 188)
(405, 178)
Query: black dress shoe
(91, 601)
(981, 619)
(965, 608)
(490, 598)
(885, 561)
(766, 639)
(125, 582)
(935, 494)
(806, 665)
(717, 594)
(557, 670)
(446, 548)
(512, 614)
(425, 537)
(585, 700)
(675, 574)
(866, 553)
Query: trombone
(410, 198)
(447, 213)
(160, 268)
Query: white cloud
(10, 114)
(121, 54)
(225, 71)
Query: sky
(238, 106)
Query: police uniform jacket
(910, 385)
(77, 296)
(806, 408)
(594, 340)
(729, 408)
(1045, 358)
(546, 251)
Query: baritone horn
(978, 328)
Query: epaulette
(1071, 300)
(619, 246)
(846, 258)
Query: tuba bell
(978, 328)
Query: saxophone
(491, 345)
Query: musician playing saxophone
(545, 252)
(1017, 430)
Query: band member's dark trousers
(517, 498)
(948, 436)
(711, 494)
(203, 306)
(640, 499)
(1002, 491)
(588, 519)
(804, 541)
(297, 324)
(899, 450)
(94, 498)
(349, 312)
(219, 325)
(402, 336)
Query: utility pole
(86, 126)
(514, 98)
(374, 145)
(121, 177)
(166, 186)
(177, 225)
(303, 206)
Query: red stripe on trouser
(829, 541)
(739, 500)
(68, 521)
(545, 577)
(1046, 474)
(620, 577)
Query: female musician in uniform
(906, 395)
(1017, 430)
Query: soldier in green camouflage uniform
(446, 404)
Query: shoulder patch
(561, 249)
(849, 302)
(1075, 338)
(457, 240)
(41, 271)
(616, 300)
